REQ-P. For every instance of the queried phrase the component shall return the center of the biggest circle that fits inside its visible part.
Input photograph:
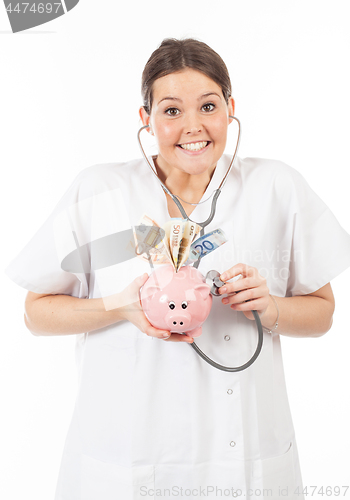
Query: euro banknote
(190, 233)
(207, 243)
(175, 245)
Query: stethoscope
(212, 277)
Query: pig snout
(178, 322)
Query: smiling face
(189, 118)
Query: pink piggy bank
(179, 302)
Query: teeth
(194, 146)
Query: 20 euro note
(206, 244)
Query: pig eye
(184, 305)
(172, 305)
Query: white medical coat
(152, 419)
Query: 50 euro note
(177, 228)
(190, 233)
(174, 230)
(179, 235)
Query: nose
(178, 321)
(192, 124)
(194, 130)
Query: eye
(209, 106)
(172, 111)
(184, 304)
(172, 305)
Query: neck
(188, 187)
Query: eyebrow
(170, 98)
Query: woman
(152, 419)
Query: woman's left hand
(246, 294)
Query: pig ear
(203, 289)
(150, 290)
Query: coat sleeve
(320, 248)
(38, 268)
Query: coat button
(227, 337)
(230, 391)
(232, 444)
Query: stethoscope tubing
(217, 192)
(235, 368)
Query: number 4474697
(328, 491)
(22, 7)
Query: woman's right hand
(132, 311)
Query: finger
(235, 286)
(251, 305)
(250, 294)
(236, 270)
(166, 335)
(244, 284)
(179, 337)
(146, 327)
(154, 332)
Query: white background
(69, 98)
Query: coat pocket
(109, 481)
(269, 479)
(278, 475)
(201, 480)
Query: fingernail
(166, 335)
(225, 301)
(223, 289)
(223, 277)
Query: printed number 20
(206, 244)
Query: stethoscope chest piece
(212, 278)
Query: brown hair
(174, 55)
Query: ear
(145, 117)
(203, 289)
(231, 108)
(150, 291)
